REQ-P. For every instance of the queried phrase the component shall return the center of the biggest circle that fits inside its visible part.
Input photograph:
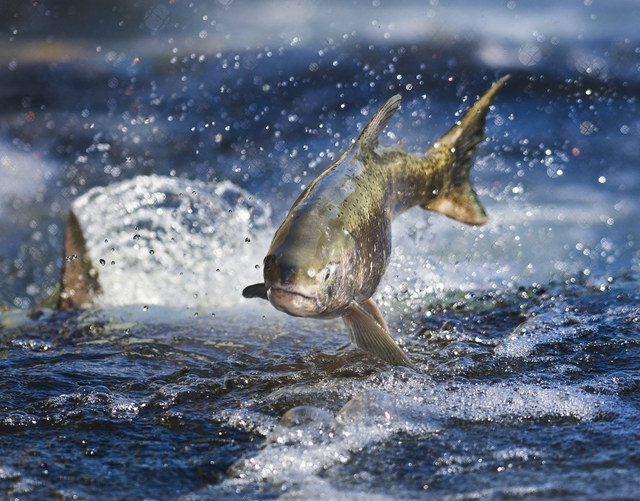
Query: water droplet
(145, 308)
(529, 54)
(136, 237)
(247, 239)
(151, 251)
(587, 128)
(113, 262)
(257, 266)
(102, 262)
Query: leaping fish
(330, 253)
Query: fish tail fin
(371, 337)
(79, 279)
(457, 199)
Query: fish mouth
(293, 301)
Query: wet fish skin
(330, 253)
(79, 282)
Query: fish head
(309, 273)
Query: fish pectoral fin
(256, 290)
(372, 309)
(371, 337)
(460, 203)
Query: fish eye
(327, 271)
(269, 262)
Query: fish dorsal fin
(79, 279)
(376, 125)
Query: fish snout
(289, 290)
(293, 302)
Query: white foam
(309, 440)
(552, 323)
(98, 399)
(164, 241)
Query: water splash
(173, 242)
(309, 442)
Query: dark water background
(524, 332)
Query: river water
(180, 133)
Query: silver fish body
(330, 253)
